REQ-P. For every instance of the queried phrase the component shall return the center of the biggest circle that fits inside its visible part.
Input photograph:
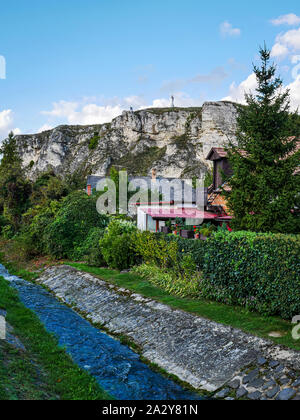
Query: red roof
(184, 213)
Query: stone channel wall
(205, 354)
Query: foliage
(31, 239)
(94, 141)
(47, 187)
(14, 187)
(90, 250)
(264, 189)
(245, 268)
(72, 224)
(155, 250)
(139, 164)
(209, 178)
(180, 266)
(3, 223)
(206, 229)
(117, 244)
(237, 268)
(178, 286)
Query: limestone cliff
(175, 141)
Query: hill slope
(175, 141)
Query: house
(221, 169)
(176, 199)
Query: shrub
(170, 281)
(24, 247)
(196, 249)
(35, 222)
(90, 250)
(72, 224)
(117, 244)
(154, 249)
(94, 141)
(177, 271)
(8, 232)
(258, 271)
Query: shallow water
(115, 366)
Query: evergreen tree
(14, 187)
(264, 188)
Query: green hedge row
(258, 271)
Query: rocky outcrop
(175, 141)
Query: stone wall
(200, 352)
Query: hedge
(259, 271)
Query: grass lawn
(44, 370)
(237, 317)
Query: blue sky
(85, 61)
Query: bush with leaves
(15, 189)
(176, 269)
(48, 187)
(184, 286)
(35, 222)
(258, 271)
(90, 250)
(117, 245)
(72, 224)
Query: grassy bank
(236, 317)
(61, 378)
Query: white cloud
(279, 50)
(237, 92)
(6, 123)
(227, 29)
(83, 114)
(286, 43)
(295, 59)
(295, 93)
(62, 109)
(45, 127)
(289, 19)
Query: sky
(85, 61)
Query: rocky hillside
(175, 141)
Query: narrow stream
(115, 366)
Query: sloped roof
(216, 153)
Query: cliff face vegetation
(175, 141)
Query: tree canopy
(265, 191)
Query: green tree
(48, 187)
(14, 187)
(264, 190)
(72, 224)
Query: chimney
(154, 174)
